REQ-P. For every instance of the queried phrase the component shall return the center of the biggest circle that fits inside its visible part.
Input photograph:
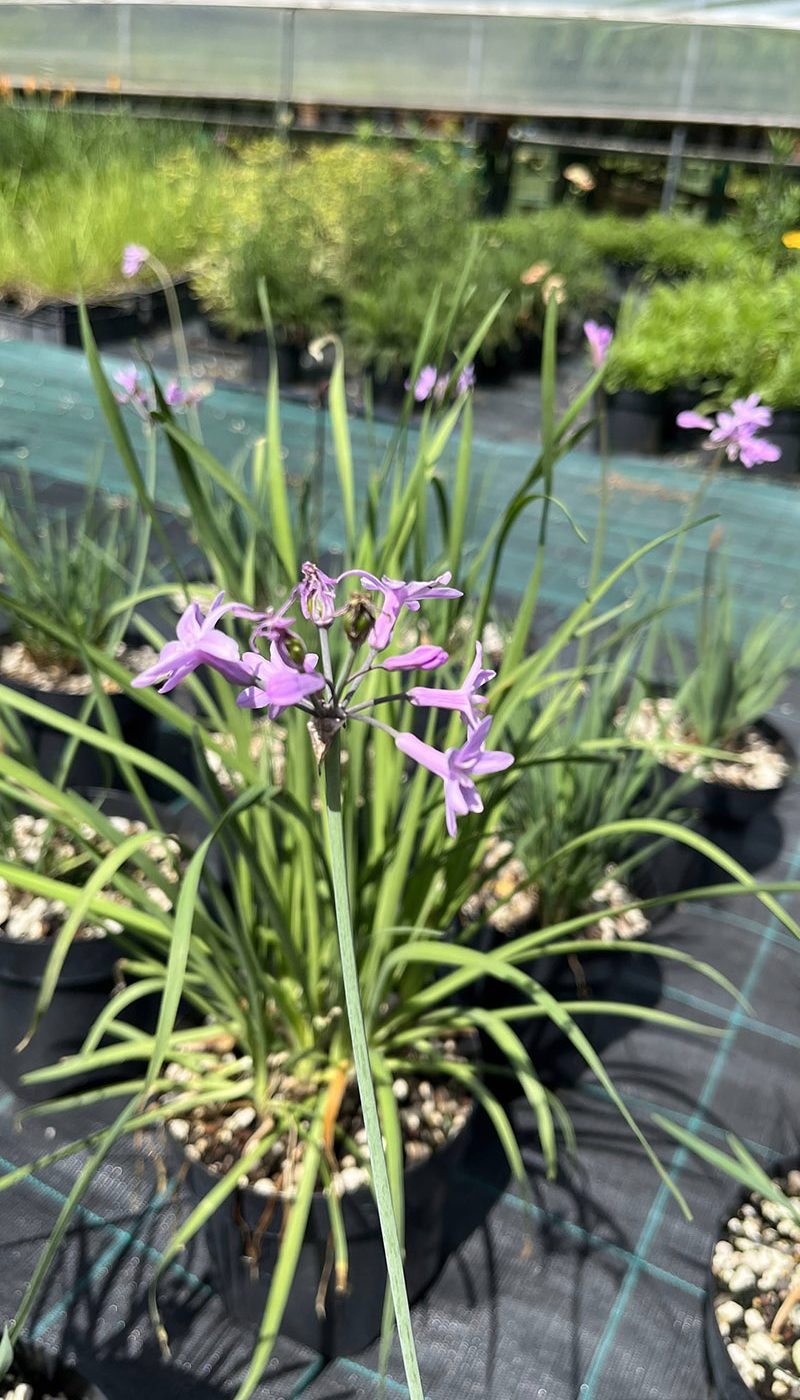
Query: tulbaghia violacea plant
(354, 662)
(293, 676)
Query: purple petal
(424, 754)
(437, 698)
(421, 658)
(492, 762)
(690, 419)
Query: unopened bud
(359, 618)
(294, 649)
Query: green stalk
(602, 512)
(178, 335)
(369, 1107)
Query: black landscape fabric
(591, 1288)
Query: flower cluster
(429, 383)
(735, 431)
(134, 393)
(292, 676)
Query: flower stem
(369, 1107)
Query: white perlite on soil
(16, 664)
(31, 917)
(430, 1114)
(508, 902)
(21, 1390)
(761, 767)
(757, 1265)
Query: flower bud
(293, 650)
(359, 618)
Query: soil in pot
(723, 793)
(243, 1235)
(753, 1338)
(66, 692)
(36, 1374)
(635, 421)
(28, 924)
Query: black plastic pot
(49, 1375)
(494, 366)
(720, 804)
(84, 986)
(635, 421)
(728, 1384)
(785, 433)
(120, 317)
(288, 357)
(680, 399)
(353, 1320)
(389, 389)
(90, 767)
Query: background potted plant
(721, 703)
(751, 1329)
(70, 582)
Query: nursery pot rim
(362, 1193)
(30, 687)
(726, 1376)
(778, 740)
(775, 736)
(93, 955)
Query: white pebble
(742, 1280)
(242, 1118)
(754, 1320)
(729, 1311)
(762, 1347)
(265, 1186)
(350, 1179)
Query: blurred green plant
(739, 672)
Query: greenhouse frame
(670, 61)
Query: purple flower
(199, 644)
(735, 430)
(134, 257)
(397, 595)
(465, 699)
(599, 338)
(458, 769)
(277, 684)
(178, 397)
(424, 384)
(422, 658)
(440, 387)
(317, 593)
(466, 379)
(132, 390)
